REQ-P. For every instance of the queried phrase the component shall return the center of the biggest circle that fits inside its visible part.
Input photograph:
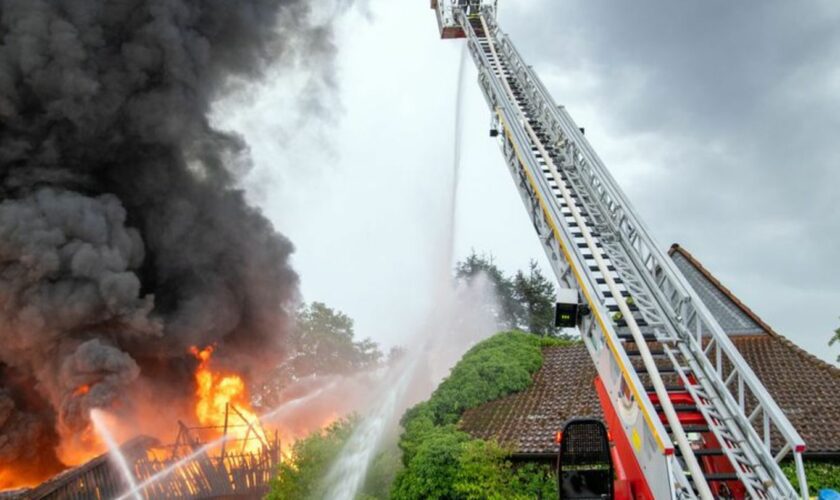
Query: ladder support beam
(593, 238)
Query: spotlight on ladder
(568, 311)
(494, 126)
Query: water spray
(274, 414)
(96, 416)
(347, 474)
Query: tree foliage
(508, 310)
(500, 365)
(321, 343)
(525, 300)
(450, 465)
(834, 339)
(302, 475)
(485, 472)
(536, 296)
(820, 475)
(324, 342)
(434, 463)
(443, 462)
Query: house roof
(805, 387)
(528, 420)
(733, 316)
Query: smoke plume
(124, 239)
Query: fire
(84, 447)
(12, 479)
(223, 402)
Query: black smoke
(124, 239)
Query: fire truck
(684, 414)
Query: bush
(301, 477)
(501, 365)
(485, 473)
(311, 457)
(448, 464)
(820, 475)
(443, 462)
(433, 466)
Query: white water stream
(114, 450)
(274, 414)
(347, 475)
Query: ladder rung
(603, 281)
(650, 337)
(678, 408)
(668, 388)
(660, 369)
(703, 452)
(613, 308)
(652, 353)
(720, 477)
(624, 293)
(622, 323)
(691, 428)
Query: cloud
(719, 119)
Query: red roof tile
(527, 421)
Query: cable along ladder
(696, 419)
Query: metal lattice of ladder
(701, 422)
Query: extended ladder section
(695, 417)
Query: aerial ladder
(687, 416)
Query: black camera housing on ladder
(567, 310)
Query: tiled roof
(805, 387)
(527, 421)
(721, 303)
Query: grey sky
(719, 119)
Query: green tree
(508, 310)
(820, 475)
(322, 342)
(484, 472)
(449, 465)
(535, 295)
(525, 301)
(440, 461)
(834, 339)
(433, 467)
(381, 474)
(500, 365)
(302, 475)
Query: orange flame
(221, 394)
(85, 447)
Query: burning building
(124, 238)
